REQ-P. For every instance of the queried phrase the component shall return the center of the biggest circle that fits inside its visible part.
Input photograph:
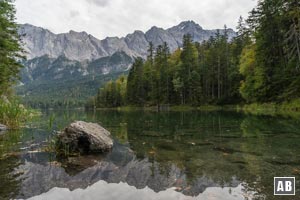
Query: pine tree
(293, 33)
(135, 88)
(189, 58)
(150, 56)
(10, 48)
(272, 26)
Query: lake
(167, 155)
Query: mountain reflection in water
(120, 165)
(167, 155)
(122, 191)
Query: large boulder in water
(84, 137)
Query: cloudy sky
(103, 18)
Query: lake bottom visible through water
(166, 155)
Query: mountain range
(81, 46)
(54, 60)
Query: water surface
(168, 155)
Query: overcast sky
(103, 18)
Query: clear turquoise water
(212, 155)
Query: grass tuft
(13, 114)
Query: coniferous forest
(261, 64)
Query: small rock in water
(3, 127)
(84, 137)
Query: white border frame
(285, 194)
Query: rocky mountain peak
(189, 25)
(158, 36)
(155, 28)
(75, 33)
(80, 46)
(137, 33)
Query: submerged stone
(84, 137)
(3, 127)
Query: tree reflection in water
(191, 152)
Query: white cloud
(103, 18)
(101, 3)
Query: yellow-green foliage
(293, 105)
(112, 94)
(182, 108)
(252, 73)
(257, 109)
(288, 108)
(247, 62)
(13, 114)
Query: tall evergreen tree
(272, 23)
(135, 89)
(10, 48)
(150, 53)
(189, 58)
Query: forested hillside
(65, 69)
(68, 93)
(53, 83)
(260, 65)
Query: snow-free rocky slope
(81, 46)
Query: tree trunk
(219, 81)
